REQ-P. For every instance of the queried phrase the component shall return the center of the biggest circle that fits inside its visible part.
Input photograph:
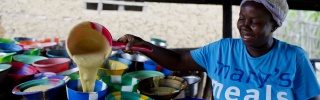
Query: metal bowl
(192, 89)
(159, 42)
(135, 57)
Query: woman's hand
(164, 57)
(131, 40)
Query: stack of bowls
(151, 65)
(112, 67)
(122, 60)
(121, 83)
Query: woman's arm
(164, 57)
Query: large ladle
(88, 48)
(83, 39)
(117, 45)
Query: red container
(55, 65)
(21, 72)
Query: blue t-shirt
(284, 73)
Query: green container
(143, 74)
(35, 51)
(28, 59)
(74, 76)
(126, 96)
(121, 83)
(4, 40)
(6, 57)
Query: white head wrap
(278, 8)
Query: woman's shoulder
(289, 48)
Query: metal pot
(192, 88)
(137, 61)
(135, 57)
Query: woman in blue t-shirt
(257, 66)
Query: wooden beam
(293, 4)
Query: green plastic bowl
(126, 96)
(119, 69)
(74, 76)
(4, 40)
(6, 57)
(121, 83)
(35, 51)
(143, 74)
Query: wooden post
(227, 18)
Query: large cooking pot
(137, 61)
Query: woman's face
(255, 25)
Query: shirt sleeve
(305, 83)
(204, 55)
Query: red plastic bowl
(55, 65)
(21, 72)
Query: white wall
(182, 25)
